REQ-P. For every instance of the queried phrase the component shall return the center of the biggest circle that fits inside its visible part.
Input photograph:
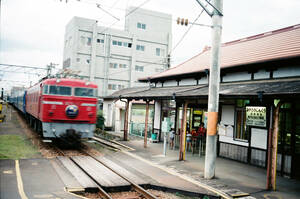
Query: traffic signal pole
(213, 97)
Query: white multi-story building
(116, 59)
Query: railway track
(113, 144)
(141, 192)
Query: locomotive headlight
(53, 130)
(50, 113)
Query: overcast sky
(32, 31)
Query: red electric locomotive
(62, 107)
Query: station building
(260, 76)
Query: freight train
(59, 108)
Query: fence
(138, 129)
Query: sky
(32, 31)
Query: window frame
(94, 92)
(71, 91)
(89, 41)
(139, 68)
(245, 133)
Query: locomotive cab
(67, 108)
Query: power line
(99, 6)
(110, 7)
(23, 66)
(25, 72)
(125, 16)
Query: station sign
(256, 116)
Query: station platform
(231, 174)
(27, 178)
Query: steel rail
(136, 187)
(102, 191)
(113, 143)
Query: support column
(157, 117)
(269, 162)
(183, 132)
(213, 96)
(146, 124)
(274, 146)
(126, 121)
(272, 152)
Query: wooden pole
(274, 145)
(183, 132)
(126, 121)
(146, 124)
(269, 163)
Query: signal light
(186, 22)
(182, 21)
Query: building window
(157, 51)
(160, 52)
(113, 65)
(139, 68)
(122, 66)
(141, 26)
(88, 61)
(78, 59)
(115, 87)
(82, 40)
(89, 41)
(112, 87)
(241, 129)
(120, 43)
(100, 41)
(158, 70)
(121, 87)
(140, 47)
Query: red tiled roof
(278, 44)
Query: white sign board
(222, 129)
(259, 138)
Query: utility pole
(49, 68)
(213, 96)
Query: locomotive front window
(60, 90)
(45, 89)
(85, 92)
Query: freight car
(60, 108)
